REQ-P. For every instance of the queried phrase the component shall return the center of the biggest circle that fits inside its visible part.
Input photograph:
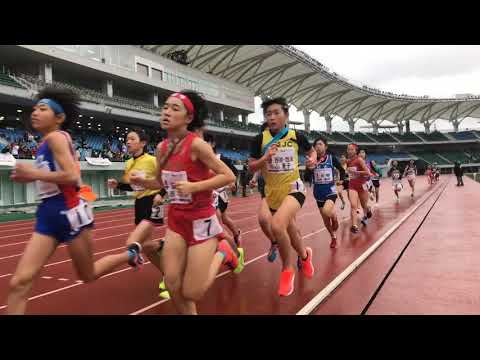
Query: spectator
(458, 171)
(15, 149)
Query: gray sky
(434, 70)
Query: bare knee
(173, 283)
(278, 229)
(193, 293)
(20, 283)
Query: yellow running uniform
(281, 172)
(145, 164)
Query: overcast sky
(434, 70)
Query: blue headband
(55, 106)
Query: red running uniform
(357, 183)
(191, 216)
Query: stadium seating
(434, 136)
(383, 138)
(431, 157)
(7, 80)
(337, 136)
(360, 138)
(455, 156)
(408, 137)
(464, 135)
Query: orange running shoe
(287, 278)
(307, 265)
(230, 259)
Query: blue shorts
(323, 192)
(52, 221)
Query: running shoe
(287, 278)
(163, 290)
(236, 238)
(135, 259)
(354, 229)
(335, 223)
(307, 264)
(272, 253)
(364, 221)
(230, 259)
(241, 261)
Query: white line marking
(63, 279)
(327, 290)
(46, 277)
(1, 276)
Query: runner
(411, 173)
(436, 172)
(221, 195)
(275, 152)
(357, 188)
(194, 248)
(376, 174)
(429, 173)
(371, 189)
(62, 216)
(344, 185)
(149, 208)
(396, 176)
(324, 190)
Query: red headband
(185, 100)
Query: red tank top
(356, 179)
(180, 167)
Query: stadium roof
(283, 70)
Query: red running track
(252, 292)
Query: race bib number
(158, 212)
(139, 187)
(206, 228)
(396, 176)
(297, 186)
(170, 179)
(282, 162)
(365, 186)
(80, 215)
(323, 175)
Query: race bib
(282, 162)
(80, 215)
(350, 172)
(206, 228)
(297, 186)
(323, 175)
(365, 186)
(169, 179)
(215, 199)
(158, 212)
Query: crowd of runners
(187, 174)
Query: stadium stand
(408, 137)
(434, 136)
(360, 138)
(383, 138)
(7, 80)
(464, 135)
(430, 157)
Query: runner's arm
(256, 160)
(67, 173)
(339, 167)
(223, 175)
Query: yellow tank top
(145, 164)
(282, 168)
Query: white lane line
(46, 277)
(246, 263)
(327, 290)
(62, 279)
(5, 275)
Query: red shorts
(195, 225)
(358, 187)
